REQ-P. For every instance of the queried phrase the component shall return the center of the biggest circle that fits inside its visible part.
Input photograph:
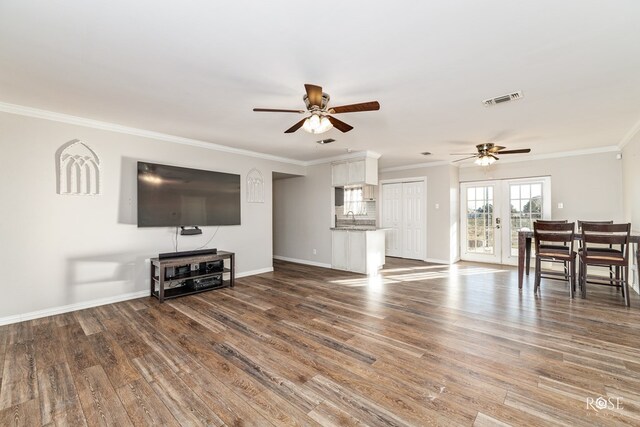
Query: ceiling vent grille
(504, 98)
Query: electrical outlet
(315, 252)
(560, 205)
(437, 205)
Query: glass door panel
(480, 242)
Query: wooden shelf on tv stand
(177, 285)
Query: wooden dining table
(524, 252)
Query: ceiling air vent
(504, 98)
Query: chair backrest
(592, 222)
(594, 235)
(554, 232)
(552, 221)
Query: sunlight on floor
(413, 274)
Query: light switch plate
(560, 205)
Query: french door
(492, 213)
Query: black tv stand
(175, 276)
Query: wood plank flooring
(422, 344)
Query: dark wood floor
(423, 345)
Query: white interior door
(413, 220)
(492, 213)
(392, 218)
(403, 213)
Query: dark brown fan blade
(314, 93)
(494, 156)
(355, 108)
(466, 158)
(523, 150)
(296, 126)
(277, 110)
(341, 126)
(495, 149)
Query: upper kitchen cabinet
(358, 171)
(339, 174)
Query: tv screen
(169, 196)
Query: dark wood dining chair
(594, 237)
(549, 246)
(554, 243)
(604, 248)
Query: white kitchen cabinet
(370, 192)
(340, 252)
(340, 174)
(354, 172)
(359, 251)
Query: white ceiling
(196, 69)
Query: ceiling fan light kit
(485, 160)
(486, 154)
(317, 124)
(321, 119)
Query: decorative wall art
(78, 169)
(255, 186)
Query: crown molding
(96, 124)
(635, 129)
(586, 151)
(416, 166)
(352, 155)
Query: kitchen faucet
(353, 216)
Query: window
(526, 203)
(354, 201)
(480, 231)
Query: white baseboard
(438, 261)
(302, 261)
(254, 272)
(71, 307)
(97, 302)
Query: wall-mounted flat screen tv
(170, 196)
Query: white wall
(302, 216)
(631, 190)
(589, 186)
(61, 250)
(631, 179)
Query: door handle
(497, 222)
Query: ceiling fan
(320, 119)
(487, 152)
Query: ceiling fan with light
(487, 152)
(320, 119)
